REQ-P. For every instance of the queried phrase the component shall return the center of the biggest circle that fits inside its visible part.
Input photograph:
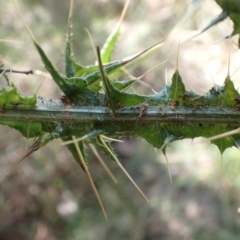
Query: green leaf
(229, 93)
(177, 89)
(11, 97)
(26, 129)
(123, 85)
(109, 46)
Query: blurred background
(49, 197)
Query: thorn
(178, 49)
(34, 147)
(69, 27)
(142, 76)
(226, 134)
(99, 158)
(92, 43)
(105, 82)
(26, 25)
(216, 20)
(163, 147)
(89, 177)
(169, 173)
(122, 168)
(123, 14)
(89, 135)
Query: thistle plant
(96, 108)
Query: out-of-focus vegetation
(48, 197)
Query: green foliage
(12, 97)
(96, 86)
(91, 86)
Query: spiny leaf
(27, 130)
(82, 86)
(76, 88)
(94, 77)
(229, 93)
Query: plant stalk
(163, 114)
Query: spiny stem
(59, 114)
